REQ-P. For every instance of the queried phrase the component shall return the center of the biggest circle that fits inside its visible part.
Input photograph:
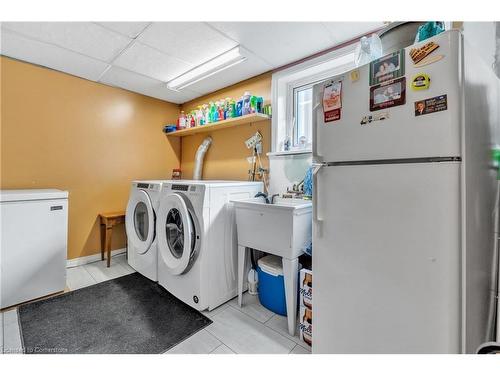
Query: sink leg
(241, 271)
(290, 274)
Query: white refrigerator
(403, 230)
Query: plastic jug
(239, 108)
(246, 103)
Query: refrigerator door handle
(315, 130)
(316, 169)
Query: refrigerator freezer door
(402, 134)
(387, 259)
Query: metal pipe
(198, 159)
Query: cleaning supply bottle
(206, 113)
(231, 109)
(220, 110)
(212, 111)
(216, 112)
(253, 281)
(199, 116)
(227, 108)
(239, 108)
(246, 103)
(253, 104)
(181, 122)
(260, 104)
(193, 119)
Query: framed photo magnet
(387, 67)
(388, 94)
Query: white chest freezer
(34, 231)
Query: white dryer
(197, 245)
(140, 224)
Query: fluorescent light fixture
(207, 69)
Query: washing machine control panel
(180, 187)
(147, 186)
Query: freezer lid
(399, 131)
(32, 194)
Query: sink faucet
(274, 196)
(263, 195)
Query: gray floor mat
(130, 314)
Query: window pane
(303, 117)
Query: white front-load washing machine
(140, 224)
(197, 244)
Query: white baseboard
(91, 258)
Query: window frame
(294, 128)
(308, 73)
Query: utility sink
(283, 228)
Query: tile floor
(251, 329)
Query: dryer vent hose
(200, 155)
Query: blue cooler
(272, 284)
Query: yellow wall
(60, 131)
(226, 157)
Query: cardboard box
(305, 325)
(306, 289)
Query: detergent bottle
(210, 109)
(206, 114)
(246, 103)
(239, 108)
(193, 119)
(231, 109)
(199, 116)
(260, 104)
(227, 108)
(181, 122)
(215, 112)
(253, 104)
(220, 110)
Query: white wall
(286, 170)
(482, 116)
(484, 37)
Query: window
(302, 113)
(292, 91)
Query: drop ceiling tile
(26, 49)
(194, 42)
(251, 67)
(278, 43)
(344, 31)
(129, 29)
(131, 81)
(84, 37)
(151, 62)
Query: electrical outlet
(253, 140)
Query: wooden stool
(108, 221)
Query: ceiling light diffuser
(207, 69)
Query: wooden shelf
(219, 125)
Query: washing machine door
(176, 234)
(140, 221)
